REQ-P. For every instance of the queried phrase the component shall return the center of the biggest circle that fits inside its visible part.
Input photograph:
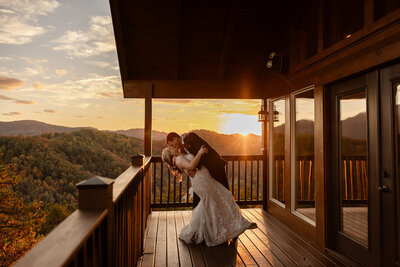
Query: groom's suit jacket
(211, 160)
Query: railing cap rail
(95, 182)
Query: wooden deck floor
(271, 244)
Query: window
(277, 151)
(302, 155)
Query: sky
(58, 64)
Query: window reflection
(303, 178)
(397, 123)
(277, 153)
(354, 166)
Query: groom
(211, 160)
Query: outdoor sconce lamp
(262, 115)
(274, 62)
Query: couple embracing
(216, 218)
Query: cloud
(38, 86)
(111, 94)
(100, 117)
(18, 101)
(83, 105)
(101, 64)
(7, 83)
(61, 72)
(13, 113)
(174, 101)
(80, 116)
(5, 59)
(50, 111)
(26, 102)
(96, 40)
(18, 19)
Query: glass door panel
(303, 178)
(353, 163)
(277, 151)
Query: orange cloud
(80, 116)
(18, 101)
(50, 111)
(7, 83)
(12, 113)
(38, 86)
(174, 101)
(26, 102)
(61, 72)
(110, 94)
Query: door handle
(383, 188)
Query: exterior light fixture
(274, 62)
(262, 115)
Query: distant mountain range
(31, 127)
(353, 127)
(223, 143)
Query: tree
(19, 222)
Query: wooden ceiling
(198, 49)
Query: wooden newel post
(97, 193)
(137, 160)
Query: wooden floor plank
(271, 244)
(208, 255)
(264, 250)
(266, 240)
(254, 252)
(273, 237)
(172, 244)
(230, 250)
(150, 240)
(161, 245)
(195, 250)
(184, 252)
(244, 254)
(313, 256)
(221, 256)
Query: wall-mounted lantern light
(274, 62)
(262, 115)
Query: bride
(217, 218)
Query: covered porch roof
(198, 49)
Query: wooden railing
(244, 174)
(107, 229)
(354, 178)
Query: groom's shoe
(253, 225)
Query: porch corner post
(94, 194)
(148, 119)
(265, 156)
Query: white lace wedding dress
(217, 218)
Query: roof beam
(227, 42)
(200, 89)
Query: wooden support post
(265, 169)
(148, 119)
(97, 193)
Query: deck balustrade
(244, 174)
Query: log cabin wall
(346, 38)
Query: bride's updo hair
(167, 156)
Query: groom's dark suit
(212, 160)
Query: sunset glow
(64, 70)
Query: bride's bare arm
(183, 163)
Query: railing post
(97, 193)
(137, 161)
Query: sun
(240, 123)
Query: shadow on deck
(271, 244)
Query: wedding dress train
(217, 218)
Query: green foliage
(53, 163)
